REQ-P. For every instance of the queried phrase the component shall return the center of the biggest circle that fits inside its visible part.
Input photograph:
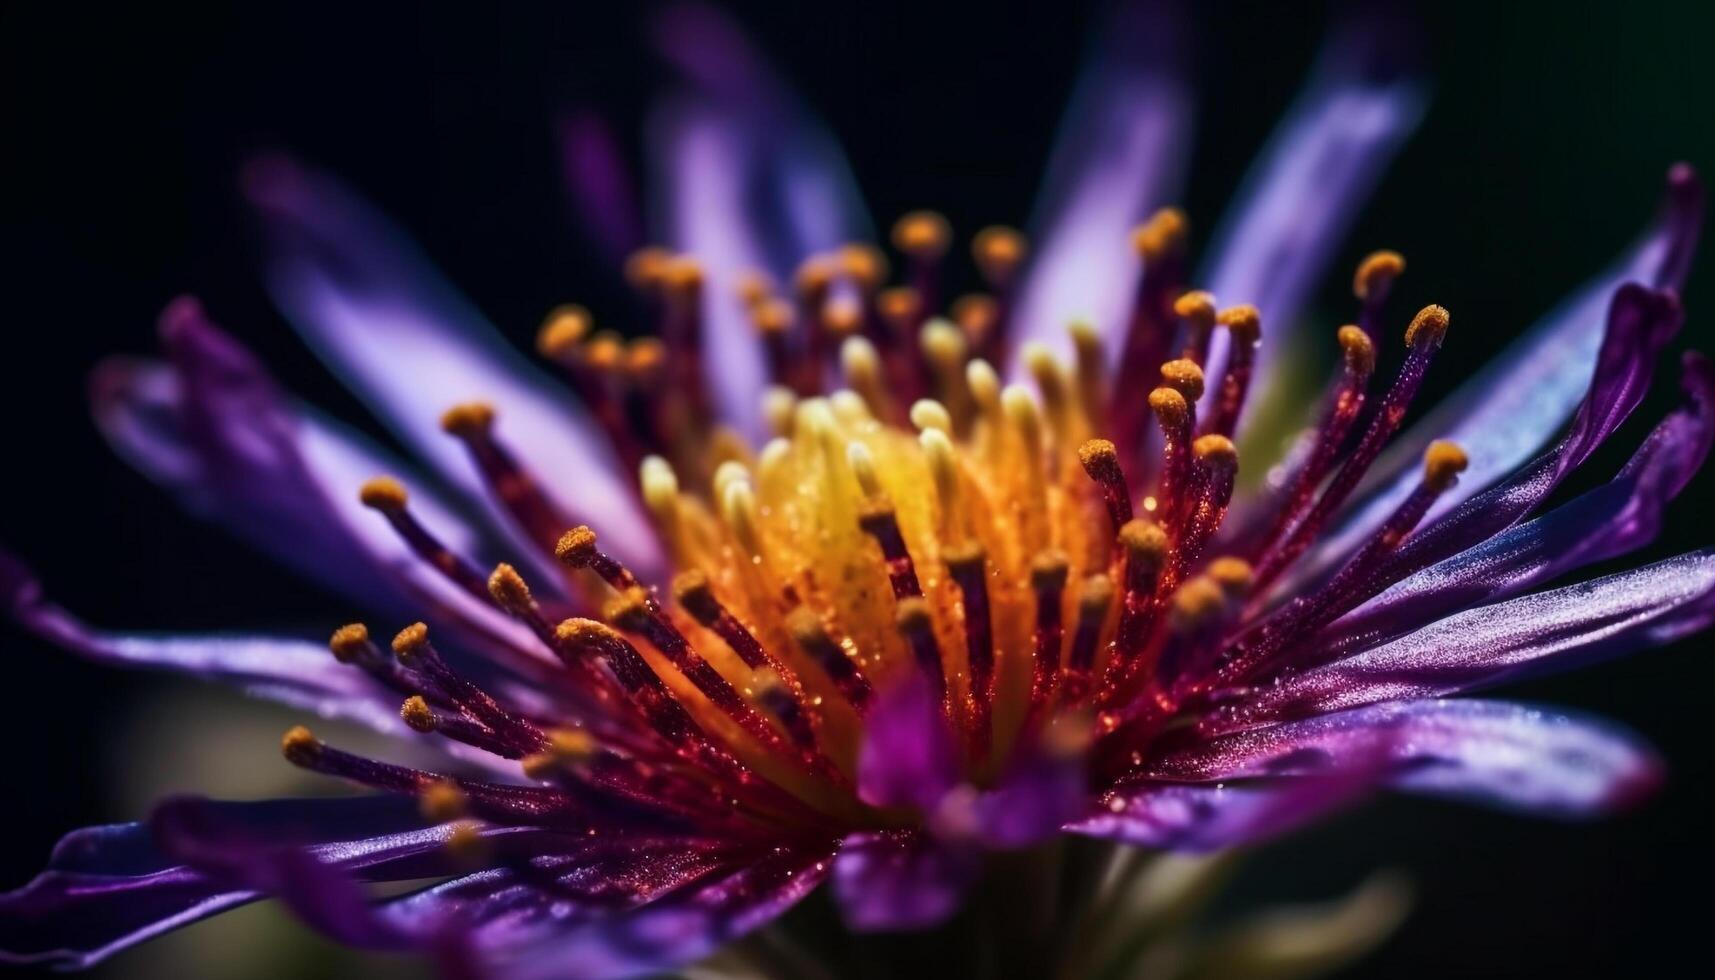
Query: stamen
(577, 549)
(777, 698)
(878, 520)
(660, 486)
(646, 269)
(918, 628)
(422, 717)
(351, 645)
(982, 319)
(1160, 242)
(812, 637)
(984, 386)
(562, 330)
(926, 413)
(1196, 311)
(1217, 464)
(998, 252)
(1101, 461)
(1050, 377)
(862, 367)
(473, 424)
(387, 496)
(1244, 327)
(923, 236)
(444, 803)
(1424, 337)
(1090, 370)
(943, 469)
(1095, 598)
(1146, 550)
(780, 407)
(1026, 424)
(1372, 283)
(654, 699)
(693, 592)
(1048, 572)
(965, 565)
(946, 350)
(414, 650)
(1173, 413)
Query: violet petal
(900, 880)
(375, 310)
(1509, 755)
(907, 758)
(1121, 152)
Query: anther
(812, 637)
(1234, 575)
(1095, 598)
(1442, 463)
(1376, 274)
(443, 802)
(862, 367)
(1170, 407)
(923, 235)
(470, 420)
(1197, 308)
(299, 746)
(998, 252)
(1359, 352)
(1429, 326)
(917, 626)
(1184, 377)
(383, 493)
(350, 644)
(927, 413)
(1243, 322)
(754, 287)
(418, 714)
(1102, 462)
(510, 591)
(646, 268)
(978, 316)
(1196, 602)
(863, 468)
(1216, 451)
(1165, 233)
(864, 264)
(576, 547)
(411, 642)
(562, 330)
(899, 307)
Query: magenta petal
(1274, 246)
(900, 880)
(1121, 153)
(746, 180)
(1620, 516)
(108, 888)
(673, 931)
(1508, 755)
(378, 313)
(1563, 628)
(1040, 792)
(1507, 411)
(907, 758)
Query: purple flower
(854, 608)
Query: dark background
(120, 131)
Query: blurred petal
(1511, 408)
(379, 315)
(899, 880)
(1120, 154)
(1294, 207)
(600, 185)
(1507, 755)
(1564, 628)
(746, 180)
(290, 671)
(685, 926)
(1611, 520)
(108, 888)
(1042, 790)
(907, 758)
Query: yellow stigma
(383, 493)
(1429, 325)
(1232, 574)
(509, 590)
(1164, 234)
(562, 330)
(411, 640)
(1243, 322)
(1376, 273)
(418, 714)
(443, 802)
(350, 642)
(1442, 463)
(922, 235)
(1360, 353)
(1144, 542)
(1169, 406)
(1216, 450)
(1198, 307)
(1198, 601)
(1185, 377)
(468, 420)
(576, 547)
(299, 746)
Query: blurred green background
(1542, 154)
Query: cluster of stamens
(1052, 557)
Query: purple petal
(1120, 154)
(1618, 517)
(747, 180)
(1507, 755)
(290, 671)
(1514, 405)
(1559, 629)
(907, 758)
(379, 315)
(600, 185)
(1306, 189)
(900, 880)
(673, 931)
(1192, 817)
(108, 888)
(212, 427)
(1042, 790)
